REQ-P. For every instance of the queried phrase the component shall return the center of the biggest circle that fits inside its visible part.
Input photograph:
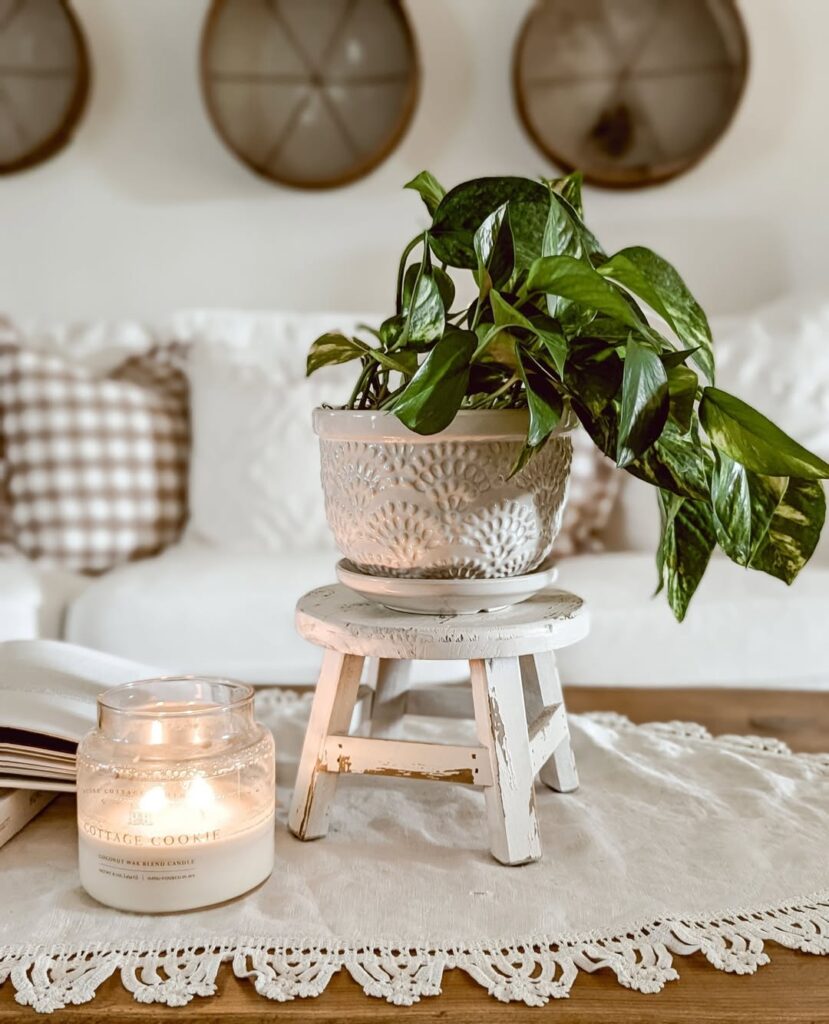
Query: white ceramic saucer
(445, 597)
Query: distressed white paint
(501, 724)
(338, 619)
(511, 748)
(331, 712)
(542, 689)
(547, 732)
(439, 762)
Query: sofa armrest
(34, 599)
(19, 600)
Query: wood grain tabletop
(793, 988)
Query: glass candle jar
(176, 793)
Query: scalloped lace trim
(532, 972)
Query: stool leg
(542, 689)
(501, 724)
(334, 700)
(391, 691)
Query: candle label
(138, 839)
(134, 870)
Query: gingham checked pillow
(95, 468)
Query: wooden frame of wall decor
(310, 76)
(76, 72)
(727, 72)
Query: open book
(48, 693)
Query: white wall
(146, 211)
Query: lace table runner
(675, 842)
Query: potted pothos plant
(555, 330)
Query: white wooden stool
(513, 674)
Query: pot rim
(468, 425)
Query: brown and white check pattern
(95, 468)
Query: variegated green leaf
(429, 188)
(688, 540)
(743, 505)
(793, 531)
(751, 439)
(658, 284)
(644, 405)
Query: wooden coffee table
(793, 988)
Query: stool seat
(338, 619)
(516, 697)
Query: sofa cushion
(198, 609)
(743, 628)
(201, 609)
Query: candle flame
(156, 731)
(153, 801)
(200, 794)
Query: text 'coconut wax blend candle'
(176, 795)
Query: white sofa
(199, 607)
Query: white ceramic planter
(440, 506)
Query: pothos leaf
(332, 348)
(754, 441)
(429, 188)
(425, 316)
(677, 463)
(494, 249)
(336, 348)
(433, 396)
(677, 358)
(593, 375)
(446, 287)
(569, 187)
(561, 238)
(553, 341)
(644, 406)
(544, 403)
(656, 282)
(682, 386)
(743, 505)
(793, 532)
(685, 548)
(463, 209)
(573, 279)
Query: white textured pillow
(254, 474)
(778, 361)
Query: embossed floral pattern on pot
(440, 506)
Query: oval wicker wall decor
(309, 93)
(44, 80)
(632, 92)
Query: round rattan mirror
(309, 93)
(632, 92)
(44, 80)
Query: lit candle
(175, 796)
